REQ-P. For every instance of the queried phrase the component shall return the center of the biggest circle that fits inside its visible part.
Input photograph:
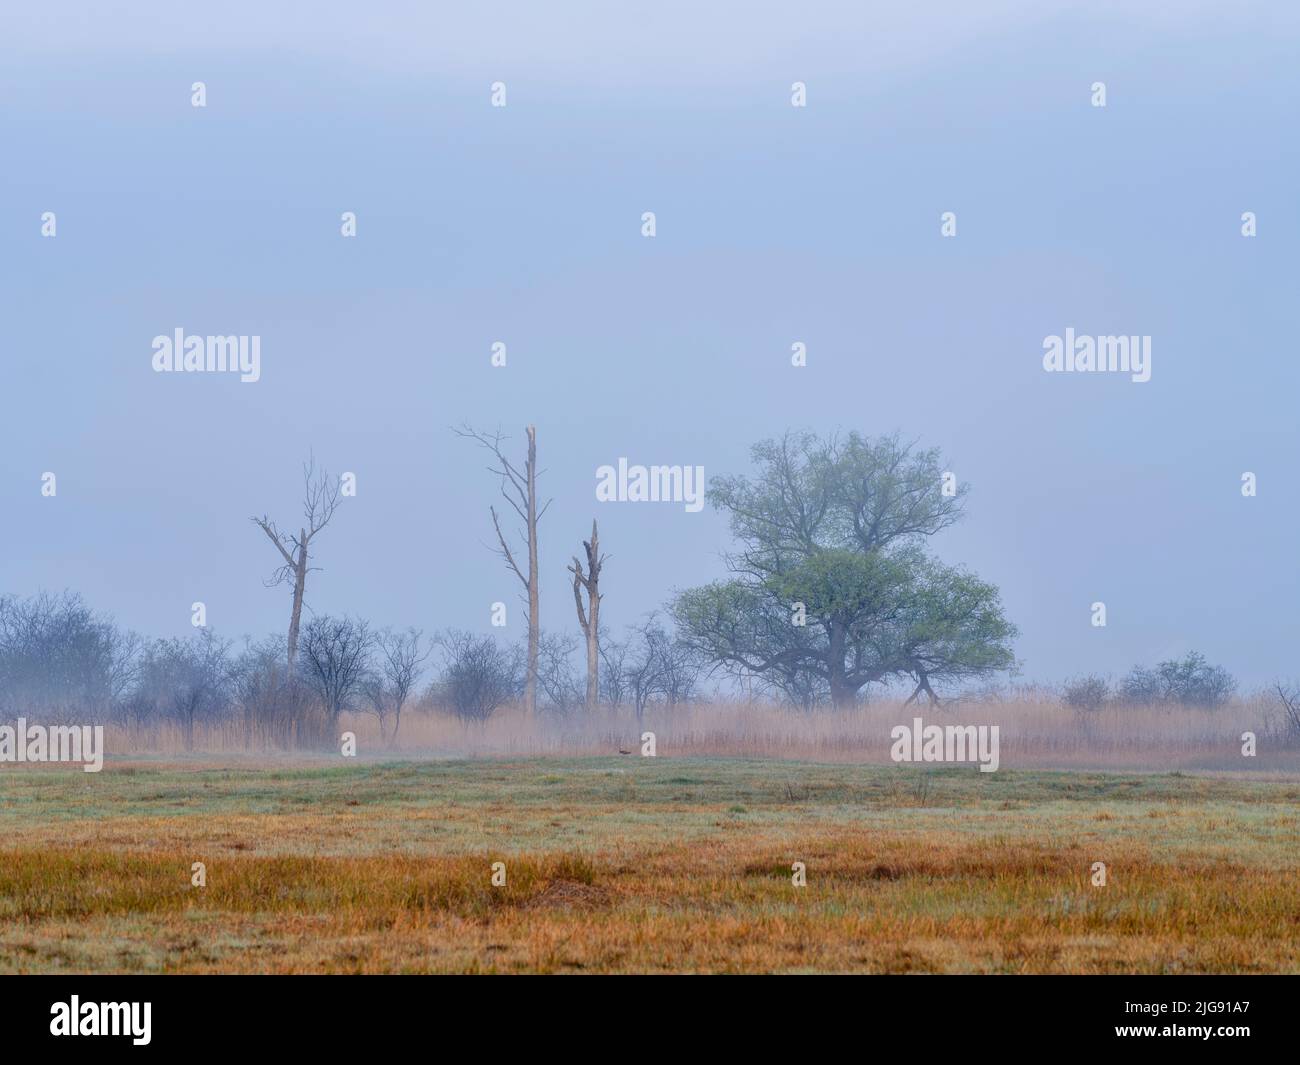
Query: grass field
(643, 865)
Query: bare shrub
(386, 689)
(1186, 681)
(478, 677)
(1288, 697)
(1086, 693)
(185, 681)
(59, 660)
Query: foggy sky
(775, 225)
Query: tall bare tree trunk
(593, 656)
(534, 622)
(519, 489)
(589, 620)
(299, 585)
(320, 501)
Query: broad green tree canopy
(832, 589)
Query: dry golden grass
(643, 865)
(1035, 733)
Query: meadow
(316, 864)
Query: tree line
(831, 589)
(1187, 681)
(62, 661)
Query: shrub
(1086, 693)
(479, 675)
(1187, 681)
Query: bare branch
(505, 548)
(321, 498)
(271, 531)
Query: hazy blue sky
(775, 225)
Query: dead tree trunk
(534, 622)
(299, 587)
(589, 620)
(320, 500)
(519, 489)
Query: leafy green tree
(831, 588)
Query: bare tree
(589, 620)
(478, 677)
(1290, 698)
(59, 660)
(519, 489)
(187, 680)
(337, 656)
(320, 501)
(644, 668)
(613, 677)
(559, 687)
(401, 657)
(274, 702)
(658, 665)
